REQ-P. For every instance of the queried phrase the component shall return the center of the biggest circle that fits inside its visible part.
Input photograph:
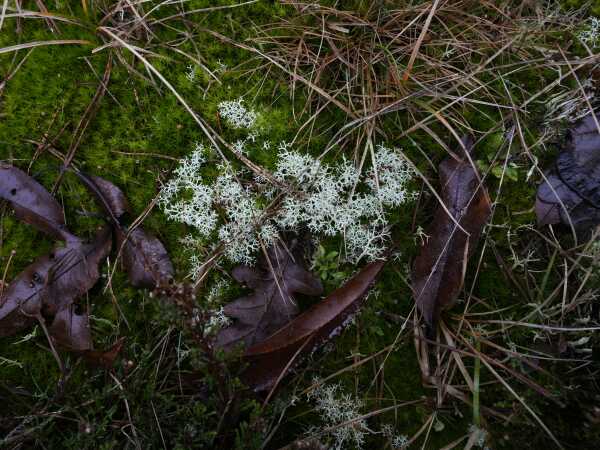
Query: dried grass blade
(2, 14)
(415, 51)
(14, 48)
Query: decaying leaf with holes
(143, 255)
(437, 275)
(71, 328)
(48, 288)
(570, 194)
(269, 360)
(32, 203)
(21, 301)
(274, 280)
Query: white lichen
(479, 434)
(217, 320)
(400, 441)
(329, 200)
(191, 73)
(590, 34)
(186, 199)
(328, 204)
(568, 105)
(221, 67)
(236, 114)
(341, 415)
(389, 175)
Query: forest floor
(126, 90)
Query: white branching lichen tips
(389, 176)
(236, 114)
(479, 434)
(327, 204)
(191, 73)
(336, 408)
(217, 320)
(399, 441)
(186, 199)
(568, 104)
(244, 219)
(590, 35)
(329, 200)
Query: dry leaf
(105, 358)
(437, 275)
(268, 359)
(143, 255)
(112, 198)
(71, 328)
(272, 304)
(32, 203)
(571, 193)
(48, 288)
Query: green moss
(594, 5)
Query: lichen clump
(590, 34)
(341, 414)
(329, 200)
(236, 114)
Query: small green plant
(327, 265)
(496, 168)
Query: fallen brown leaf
(32, 203)
(270, 359)
(143, 255)
(274, 280)
(70, 328)
(438, 271)
(105, 358)
(48, 288)
(570, 195)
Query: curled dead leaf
(570, 193)
(21, 302)
(145, 259)
(270, 359)
(112, 198)
(275, 280)
(48, 288)
(143, 255)
(32, 203)
(437, 275)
